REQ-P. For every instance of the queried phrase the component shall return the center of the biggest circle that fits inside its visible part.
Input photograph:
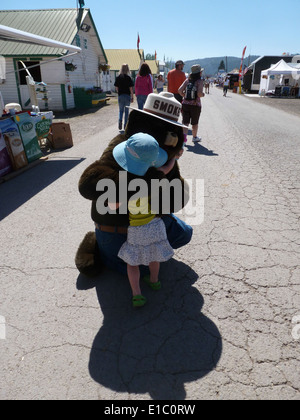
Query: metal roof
(153, 66)
(267, 57)
(116, 58)
(58, 24)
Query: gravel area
(292, 106)
(87, 122)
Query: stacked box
(13, 143)
(29, 137)
(5, 164)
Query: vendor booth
(281, 79)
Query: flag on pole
(138, 46)
(138, 42)
(155, 55)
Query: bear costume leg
(88, 260)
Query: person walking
(192, 91)
(159, 84)
(175, 79)
(143, 85)
(124, 87)
(226, 86)
(207, 84)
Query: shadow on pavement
(22, 188)
(73, 113)
(199, 150)
(158, 348)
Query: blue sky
(193, 29)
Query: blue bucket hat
(139, 153)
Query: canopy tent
(281, 68)
(279, 74)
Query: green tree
(221, 65)
(150, 57)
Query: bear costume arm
(104, 168)
(175, 204)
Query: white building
(62, 74)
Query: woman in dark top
(192, 91)
(124, 87)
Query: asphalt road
(225, 324)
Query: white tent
(279, 74)
(279, 68)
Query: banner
(241, 68)
(138, 46)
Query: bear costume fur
(89, 260)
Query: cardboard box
(61, 136)
(42, 122)
(5, 163)
(13, 143)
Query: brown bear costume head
(169, 136)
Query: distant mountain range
(212, 64)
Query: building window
(77, 41)
(35, 71)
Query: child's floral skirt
(146, 243)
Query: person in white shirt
(159, 84)
(226, 86)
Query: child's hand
(167, 167)
(114, 206)
(178, 156)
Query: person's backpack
(191, 91)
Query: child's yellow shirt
(140, 212)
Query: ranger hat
(163, 106)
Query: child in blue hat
(147, 242)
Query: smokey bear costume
(100, 248)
